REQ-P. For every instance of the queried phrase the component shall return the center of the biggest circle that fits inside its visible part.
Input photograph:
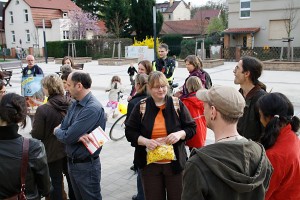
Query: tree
(141, 18)
(116, 16)
(215, 26)
(290, 23)
(80, 22)
(95, 7)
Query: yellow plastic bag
(163, 152)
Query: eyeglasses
(160, 87)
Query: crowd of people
(255, 154)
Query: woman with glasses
(160, 123)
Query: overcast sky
(194, 3)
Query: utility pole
(45, 43)
(154, 30)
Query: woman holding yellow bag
(160, 121)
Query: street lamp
(154, 30)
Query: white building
(23, 22)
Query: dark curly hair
(281, 110)
(13, 109)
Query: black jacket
(235, 170)
(37, 177)
(131, 70)
(249, 124)
(46, 118)
(136, 126)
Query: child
(114, 90)
(196, 108)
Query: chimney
(171, 3)
(189, 4)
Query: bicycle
(117, 130)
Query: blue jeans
(85, 179)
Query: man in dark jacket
(130, 71)
(246, 73)
(233, 167)
(31, 69)
(164, 64)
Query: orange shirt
(159, 128)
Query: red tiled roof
(184, 27)
(167, 6)
(49, 10)
(102, 27)
(242, 30)
(63, 5)
(202, 14)
(38, 14)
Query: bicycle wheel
(117, 131)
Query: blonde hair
(193, 84)
(141, 80)
(53, 84)
(157, 78)
(195, 61)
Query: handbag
(21, 195)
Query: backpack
(175, 103)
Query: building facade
(262, 23)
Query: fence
(261, 53)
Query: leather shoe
(134, 197)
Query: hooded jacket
(47, 117)
(232, 170)
(37, 177)
(196, 108)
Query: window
(26, 15)
(245, 8)
(17, 2)
(27, 36)
(170, 17)
(66, 35)
(13, 36)
(277, 29)
(11, 17)
(65, 15)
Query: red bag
(21, 195)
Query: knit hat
(225, 99)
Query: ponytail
(271, 133)
(295, 123)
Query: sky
(195, 3)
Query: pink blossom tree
(80, 22)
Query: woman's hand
(175, 137)
(152, 144)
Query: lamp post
(154, 30)
(45, 43)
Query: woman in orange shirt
(160, 122)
